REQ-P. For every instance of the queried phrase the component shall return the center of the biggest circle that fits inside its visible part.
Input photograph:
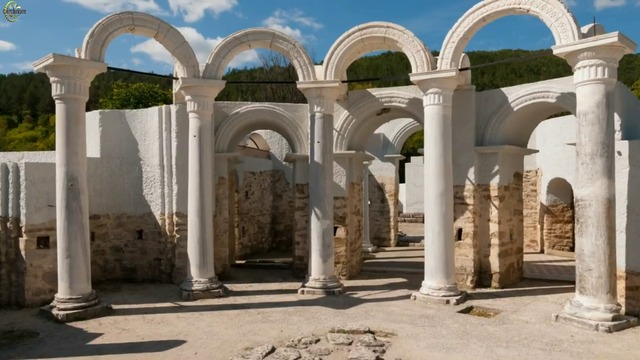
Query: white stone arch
(110, 27)
(259, 117)
(255, 38)
(502, 127)
(372, 36)
(554, 13)
(352, 130)
(406, 128)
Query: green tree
(135, 96)
(635, 88)
(410, 148)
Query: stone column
(367, 246)
(300, 164)
(439, 283)
(321, 96)
(595, 63)
(70, 81)
(201, 281)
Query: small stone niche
(480, 311)
(43, 242)
(139, 234)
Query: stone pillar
(300, 164)
(595, 63)
(499, 214)
(70, 81)
(367, 246)
(201, 281)
(224, 223)
(321, 96)
(439, 283)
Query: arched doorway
(558, 224)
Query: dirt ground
(150, 322)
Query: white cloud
(136, 61)
(108, 6)
(24, 66)
(7, 46)
(570, 2)
(282, 20)
(194, 10)
(603, 4)
(202, 47)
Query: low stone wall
(383, 210)
(559, 226)
(531, 208)
(629, 291)
(265, 211)
(467, 260)
(500, 233)
(349, 234)
(11, 263)
(301, 229)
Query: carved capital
(70, 77)
(321, 95)
(200, 94)
(437, 86)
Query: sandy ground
(150, 322)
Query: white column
(201, 282)
(439, 283)
(70, 81)
(322, 98)
(367, 246)
(595, 62)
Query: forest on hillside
(27, 121)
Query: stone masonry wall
(500, 233)
(531, 209)
(265, 211)
(383, 210)
(301, 229)
(466, 247)
(559, 226)
(11, 263)
(629, 291)
(349, 235)
(222, 225)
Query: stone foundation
(629, 292)
(301, 229)
(559, 226)
(383, 210)
(500, 233)
(349, 234)
(466, 250)
(531, 209)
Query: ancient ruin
(165, 194)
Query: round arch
(259, 117)
(405, 129)
(110, 27)
(554, 13)
(368, 37)
(249, 39)
(506, 129)
(356, 125)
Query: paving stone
(351, 329)
(369, 340)
(320, 351)
(285, 354)
(339, 339)
(302, 342)
(258, 353)
(361, 353)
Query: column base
(198, 289)
(621, 323)
(369, 249)
(322, 286)
(75, 308)
(441, 300)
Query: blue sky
(60, 25)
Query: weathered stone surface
(629, 291)
(285, 354)
(320, 351)
(369, 340)
(349, 234)
(339, 339)
(559, 226)
(467, 260)
(301, 229)
(11, 288)
(531, 209)
(383, 210)
(361, 353)
(258, 353)
(302, 342)
(351, 329)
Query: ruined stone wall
(383, 210)
(500, 232)
(466, 247)
(222, 224)
(265, 211)
(349, 235)
(559, 226)
(629, 291)
(301, 229)
(12, 266)
(532, 211)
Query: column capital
(596, 59)
(70, 77)
(200, 94)
(322, 95)
(437, 86)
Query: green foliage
(410, 148)
(135, 96)
(635, 88)
(29, 136)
